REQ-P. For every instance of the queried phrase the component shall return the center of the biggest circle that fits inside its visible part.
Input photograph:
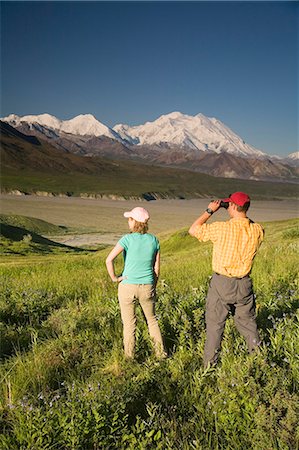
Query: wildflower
(164, 284)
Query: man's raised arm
(212, 207)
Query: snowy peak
(194, 132)
(86, 124)
(294, 156)
(293, 159)
(42, 119)
(83, 125)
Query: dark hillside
(7, 130)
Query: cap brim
(127, 214)
(226, 200)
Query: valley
(95, 221)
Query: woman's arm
(157, 267)
(110, 260)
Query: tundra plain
(93, 221)
(64, 381)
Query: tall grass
(66, 385)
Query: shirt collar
(237, 219)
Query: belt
(234, 278)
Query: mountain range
(30, 165)
(197, 143)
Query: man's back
(235, 245)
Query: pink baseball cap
(239, 198)
(138, 213)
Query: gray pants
(229, 294)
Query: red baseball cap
(239, 198)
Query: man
(235, 244)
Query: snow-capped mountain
(195, 132)
(292, 159)
(196, 143)
(294, 156)
(82, 125)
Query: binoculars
(224, 204)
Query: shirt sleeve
(123, 242)
(208, 232)
(157, 245)
(262, 234)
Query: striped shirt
(235, 245)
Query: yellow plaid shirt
(235, 245)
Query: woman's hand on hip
(118, 279)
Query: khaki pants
(225, 295)
(146, 294)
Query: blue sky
(130, 62)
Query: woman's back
(140, 252)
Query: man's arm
(213, 206)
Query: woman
(139, 278)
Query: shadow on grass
(19, 234)
(269, 315)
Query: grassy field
(65, 384)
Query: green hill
(21, 235)
(31, 224)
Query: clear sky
(130, 62)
